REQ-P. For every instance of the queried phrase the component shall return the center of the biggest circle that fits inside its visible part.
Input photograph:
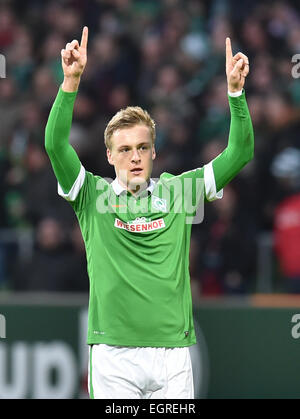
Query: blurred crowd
(168, 57)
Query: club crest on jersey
(159, 204)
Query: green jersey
(138, 247)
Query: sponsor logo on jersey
(139, 225)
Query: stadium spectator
(51, 268)
(286, 168)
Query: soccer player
(140, 323)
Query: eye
(125, 150)
(144, 147)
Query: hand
(74, 59)
(237, 68)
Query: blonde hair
(126, 118)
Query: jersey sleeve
(84, 191)
(240, 148)
(75, 184)
(64, 160)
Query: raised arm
(240, 148)
(64, 160)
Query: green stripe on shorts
(90, 378)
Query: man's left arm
(240, 148)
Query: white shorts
(117, 372)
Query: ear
(153, 153)
(109, 156)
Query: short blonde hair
(126, 118)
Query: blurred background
(167, 56)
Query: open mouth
(136, 171)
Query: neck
(137, 189)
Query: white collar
(118, 188)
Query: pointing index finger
(84, 37)
(228, 50)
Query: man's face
(132, 154)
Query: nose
(135, 156)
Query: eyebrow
(130, 146)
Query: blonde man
(140, 323)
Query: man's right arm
(64, 160)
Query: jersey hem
(143, 344)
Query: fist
(74, 56)
(237, 68)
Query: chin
(137, 181)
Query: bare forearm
(70, 84)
